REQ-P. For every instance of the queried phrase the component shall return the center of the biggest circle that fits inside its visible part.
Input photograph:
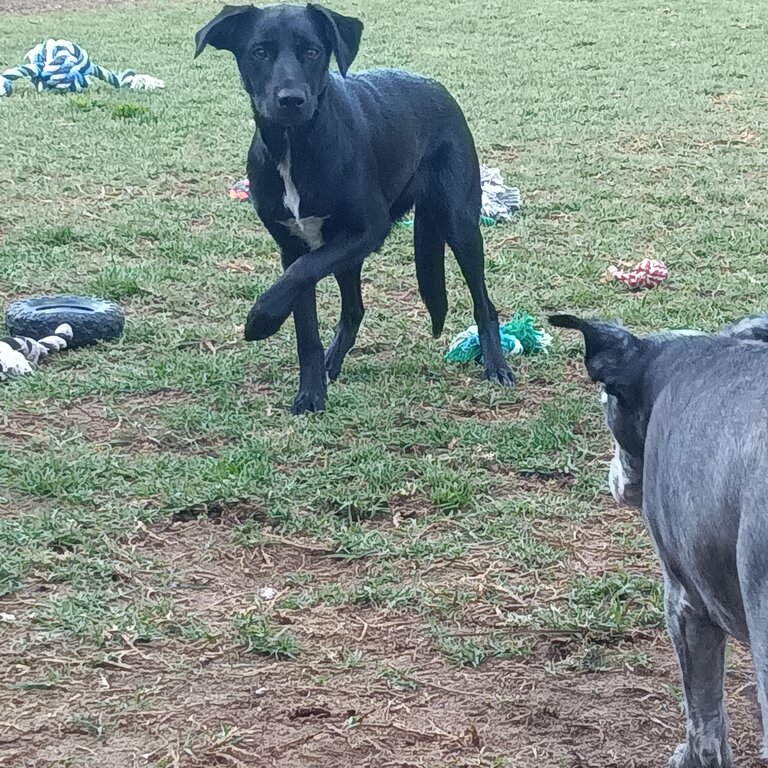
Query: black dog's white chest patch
(308, 229)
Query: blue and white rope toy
(63, 66)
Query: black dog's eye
(260, 52)
(311, 53)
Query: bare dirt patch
(369, 687)
(538, 392)
(132, 423)
(200, 707)
(609, 541)
(88, 416)
(513, 483)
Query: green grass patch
(259, 634)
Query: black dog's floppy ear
(222, 31)
(611, 353)
(343, 34)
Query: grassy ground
(448, 582)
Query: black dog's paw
(307, 401)
(500, 374)
(261, 323)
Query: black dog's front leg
(352, 311)
(312, 379)
(343, 253)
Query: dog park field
(432, 573)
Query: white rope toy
(63, 66)
(19, 354)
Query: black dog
(335, 160)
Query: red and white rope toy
(647, 274)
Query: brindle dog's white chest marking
(310, 229)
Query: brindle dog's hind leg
(700, 647)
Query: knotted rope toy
(518, 336)
(241, 190)
(19, 354)
(646, 274)
(63, 66)
(500, 203)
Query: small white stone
(267, 593)
(7, 617)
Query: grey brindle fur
(689, 415)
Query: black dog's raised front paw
(307, 401)
(262, 322)
(500, 374)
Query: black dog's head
(283, 53)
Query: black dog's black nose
(290, 98)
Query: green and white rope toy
(518, 336)
(63, 66)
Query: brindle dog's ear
(750, 328)
(343, 34)
(611, 353)
(224, 31)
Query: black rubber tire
(91, 319)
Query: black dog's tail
(429, 248)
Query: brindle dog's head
(617, 359)
(612, 355)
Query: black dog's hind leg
(352, 311)
(466, 242)
(429, 252)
